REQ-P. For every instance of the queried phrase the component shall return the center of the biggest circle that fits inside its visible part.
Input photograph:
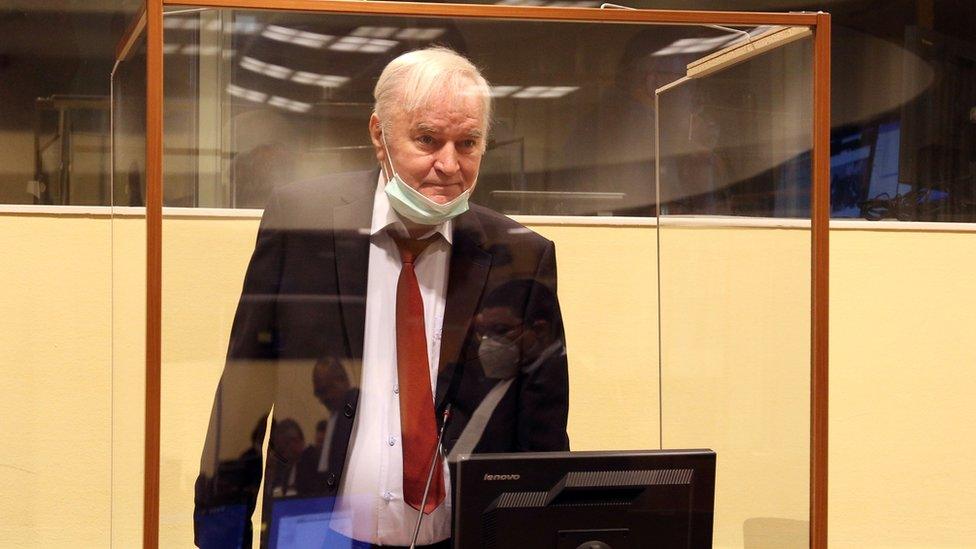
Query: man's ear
(376, 136)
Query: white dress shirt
(370, 506)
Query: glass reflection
(129, 129)
(391, 318)
(735, 301)
(737, 142)
(571, 134)
(275, 111)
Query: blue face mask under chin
(414, 206)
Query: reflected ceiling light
(241, 26)
(244, 93)
(697, 45)
(504, 91)
(363, 44)
(544, 92)
(235, 27)
(297, 37)
(288, 104)
(274, 101)
(184, 23)
(374, 32)
(412, 33)
(193, 49)
(323, 80)
(694, 45)
(267, 69)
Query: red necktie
(418, 424)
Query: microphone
(430, 476)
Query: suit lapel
(351, 233)
(470, 264)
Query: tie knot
(410, 248)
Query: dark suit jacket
(304, 298)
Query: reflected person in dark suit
(511, 345)
(332, 388)
(287, 445)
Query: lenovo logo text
(502, 477)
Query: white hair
(414, 79)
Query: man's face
(290, 444)
(498, 322)
(437, 150)
(330, 384)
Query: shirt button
(392, 440)
(388, 496)
(396, 389)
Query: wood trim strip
(820, 254)
(744, 51)
(128, 40)
(154, 225)
(672, 17)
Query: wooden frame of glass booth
(150, 24)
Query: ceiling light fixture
(267, 69)
(504, 91)
(288, 104)
(323, 80)
(420, 34)
(244, 93)
(362, 44)
(297, 37)
(544, 92)
(374, 32)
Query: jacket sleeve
(231, 465)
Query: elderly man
(387, 271)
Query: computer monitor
(299, 522)
(585, 500)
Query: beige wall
(733, 307)
(903, 315)
(56, 361)
(735, 317)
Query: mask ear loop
(389, 158)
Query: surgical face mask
(413, 205)
(499, 357)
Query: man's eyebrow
(423, 127)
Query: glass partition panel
(734, 176)
(279, 97)
(128, 263)
(129, 128)
(282, 340)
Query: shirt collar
(384, 216)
